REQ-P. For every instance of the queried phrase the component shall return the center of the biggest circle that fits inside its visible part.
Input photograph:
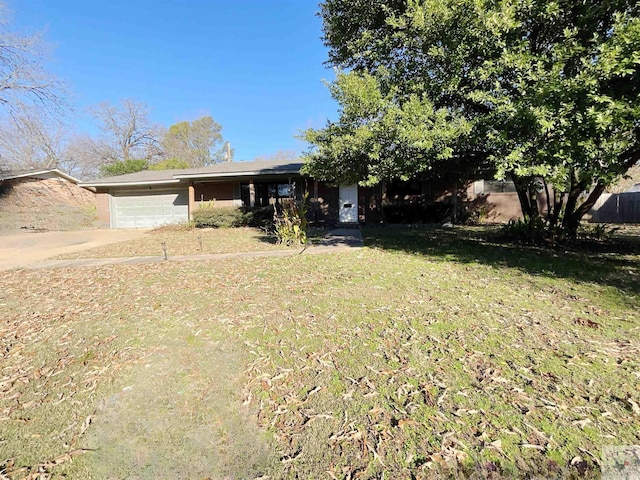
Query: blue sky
(255, 66)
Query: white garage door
(148, 209)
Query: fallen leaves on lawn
(54, 360)
(373, 364)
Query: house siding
(498, 207)
(221, 192)
(102, 209)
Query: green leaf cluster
(122, 167)
(198, 143)
(169, 164)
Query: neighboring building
(44, 199)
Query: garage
(148, 209)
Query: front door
(348, 198)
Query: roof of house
(12, 174)
(220, 170)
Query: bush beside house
(208, 216)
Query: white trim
(238, 174)
(60, 173)
(132, 184)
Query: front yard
(428, 351)
(184, 241)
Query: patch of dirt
(184, 396)
(51, 204)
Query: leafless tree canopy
(31, 102)
(23, 80)
(81, 156)
(279, 155)
(128, 133)
(30, 140)
(34, 134)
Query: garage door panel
(149, 209)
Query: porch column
(192, 200)
(252, 194)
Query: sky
(256, 66)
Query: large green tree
(198, 143)
(547, 91)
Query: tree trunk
(522, 189)
(572, 218)
(573, 213)
(570, 223)
(528, 196)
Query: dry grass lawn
(185, 242)
(428, 353)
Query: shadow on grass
(314, 235)
(267, 238)
(614, 263)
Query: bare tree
(82, 156)
(128, 131)
(23, 80)
(279, 155)
(31, 140)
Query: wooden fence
(617, 208)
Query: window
(285, 190)
(244, 194)
(268, 193)
(494, 186)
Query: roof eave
(238, 174)
(60, 173)
(131, 184)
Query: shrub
(220, 217)
(290, 224)
(538, 231)
(526, 231)
(596, 232)
(261, 217)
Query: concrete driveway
(23, 248)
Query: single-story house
(151, 198)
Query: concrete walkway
(21, 248)
(337, 240)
